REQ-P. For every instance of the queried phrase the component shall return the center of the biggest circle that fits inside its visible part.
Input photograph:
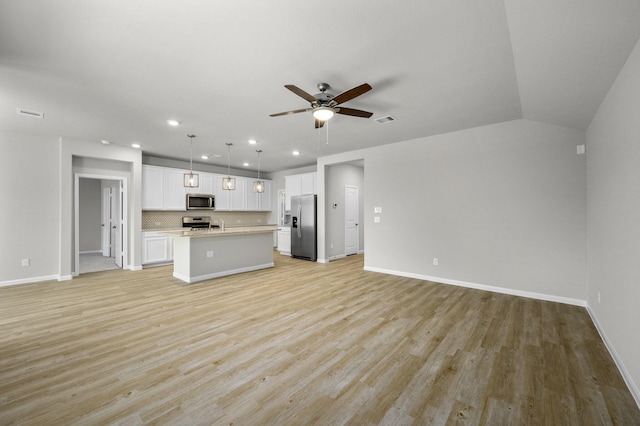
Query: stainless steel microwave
(201, 202)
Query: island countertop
(218, 232)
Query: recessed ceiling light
(136, 145)
(245, 164)
(105, 142)
(253, 141)
(173, 122)
(296, 152)
(207, 156)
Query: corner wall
(613, 176)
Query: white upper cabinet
(175, 194)
(301, 184)
(308, 183)
(163, 189)
(205, 184)
(239, 196)
(152, 188)
(258, 201)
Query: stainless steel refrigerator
(303, 227)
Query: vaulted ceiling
(117, 70)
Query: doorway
(100, 223)
(351, 214)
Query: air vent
(30, 113)
(385, 119)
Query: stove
(197, 222)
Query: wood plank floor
(301, 343)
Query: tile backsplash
(168, 220)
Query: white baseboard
(512, 292)
(633, 387)
(339, 256)
(90, 251)
(30, 280)
(138, 267)
(222, 274)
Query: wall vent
(385, 119)
(30, 113)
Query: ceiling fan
(324, 105)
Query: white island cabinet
(206, 254)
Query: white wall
(29, 216)
(613, 176)
(500, 206)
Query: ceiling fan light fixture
(323, 113)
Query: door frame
(107, 198)
(124, 223)
(357, 214)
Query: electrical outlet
(158, 223)
(435, 261)
(331, 245)
(25, 262)
(598, 297)
(376, 219)
(209, 253)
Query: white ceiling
(117, 70)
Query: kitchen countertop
(218, 232)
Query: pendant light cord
(229, 159)
(191, 152)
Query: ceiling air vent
(385, 119)
(30, 113)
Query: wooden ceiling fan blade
(319, 123)
(295, 111)
(298, 91)
(354, 112)
(352, 93)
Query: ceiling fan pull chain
(327, 126)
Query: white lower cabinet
(157, 248)
(284, 241)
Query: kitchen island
(211, 253)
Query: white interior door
(118, 224)
(351, 237)
(106, 221)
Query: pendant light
(229, 183)
(258, 185)
(191, 180)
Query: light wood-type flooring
(302, 343)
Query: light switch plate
(377, 209)
(376, 219)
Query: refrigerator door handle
(299, 220)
